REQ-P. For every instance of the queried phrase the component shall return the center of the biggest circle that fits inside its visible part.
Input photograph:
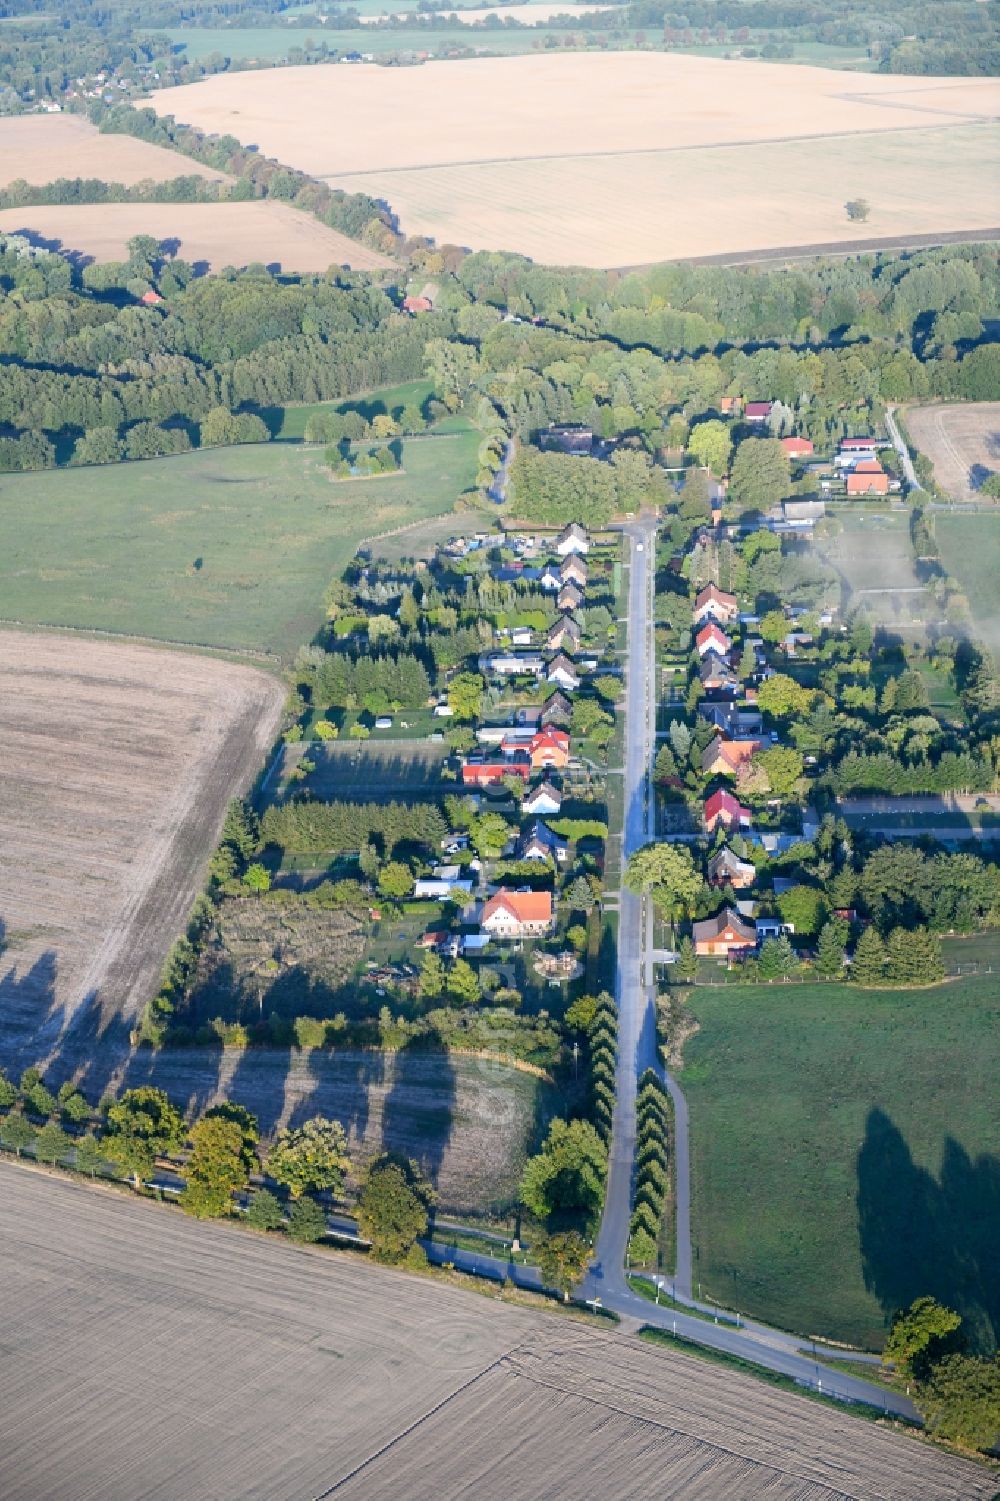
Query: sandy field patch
(262, 1370)
(210, 235)
(40, 148)
(116, 764)
(331, 120)
(668, 205)
(962, 442)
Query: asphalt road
(606, 1280)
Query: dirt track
(147, 1356)
(116, 764)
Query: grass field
(116, 764)
(872, 552)
(667, 168)
(389, 399)
(209, 235)
(40, 148)
(432, 1386)
(962, 441)
(970, 551)
(228, 547)
(841, 1153)
(271, 43)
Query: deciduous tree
(393, 1206)
(310, 1157)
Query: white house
(573, 539)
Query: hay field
(961, 441)
(209, 235)
(116, 764)
(40, 148)
(151, 1356)
(624, 158)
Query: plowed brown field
(116, 764)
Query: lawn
(291, 420)
(841, 1146)
(970, 551)
(228, 547)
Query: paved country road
(637, 1051)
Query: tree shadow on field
(924, 1236)
(29, 1015)
(418, 1117)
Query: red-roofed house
(725, 757)
(547, 748)
(867, 478)
(713, 603)
(418, 304)
(492, 773)
(712, 637)
(151, 298)
(797, 448)
(517, 914)
(725, 810)
(757, 411)
(724, 934)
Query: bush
(264, 1211)
(307, 1222)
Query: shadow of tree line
(922, 1235)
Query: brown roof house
(723, 758)
(726, 933)
(712, 603)
(564, 634)
(727, 869)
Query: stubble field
(209, 235)
(673, 163)
(116, 764)
(962, 441)
(40, 148)
(260, 1370)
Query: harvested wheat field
(624, 158)
(289, 1373)
(209, 235)
(116, 764)
(962, 442)
(40, 148)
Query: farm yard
(414, 1370)
(655, 155)
(40, 148)
(830, 1126)
(209, 235)
(962, 441)
(188, 548)
(116, 764)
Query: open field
(209, 235)
(846, 1153)
(274, 43)
(527, 15)
(871, 550)
(40, 148)
(376, 769)
(116, 764)
(388, 399)
(667, 168)
(288, 1373)
(970, 551)
(228, 547)
(961, 441)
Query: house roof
(758, 408)
(712, 666)
(573, 529)
(796, 445)
(523, 906)
(868, 466)
(732, 753)
(573, 566)
(544, 789)
(562, 663)
(552, 736)
(723, 801)
(538, 832)
(714, 927)
(725, 860)
(712, 632)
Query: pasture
(225, 547)
(844, 1153)
(271, 1339)
(209, 235)
(116, 764)
(40, 148)
(962, 442)
(970, 551)
(667, 168)
(870, 549)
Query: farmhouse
(573, 539)
(712, 638)
(867, 477)
(727, 869)
(543, 799)
(539, 842)
(712, 603)
(567, 437)
(724, 934)
(561, 670)
(564, 634)
(517, 914)
(723, 810)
